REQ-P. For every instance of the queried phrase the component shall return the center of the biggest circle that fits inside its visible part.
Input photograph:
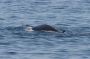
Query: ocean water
(73, 16)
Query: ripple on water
(11, 53)
(5, 43)
(41, 3)
(2, 19)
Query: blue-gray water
(73, 16)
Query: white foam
(29, 29)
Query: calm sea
(73, 16)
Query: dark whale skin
(44, 27)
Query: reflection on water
(71, 16)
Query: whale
(43, 27)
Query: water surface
(73, 16)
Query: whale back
(44, 27)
